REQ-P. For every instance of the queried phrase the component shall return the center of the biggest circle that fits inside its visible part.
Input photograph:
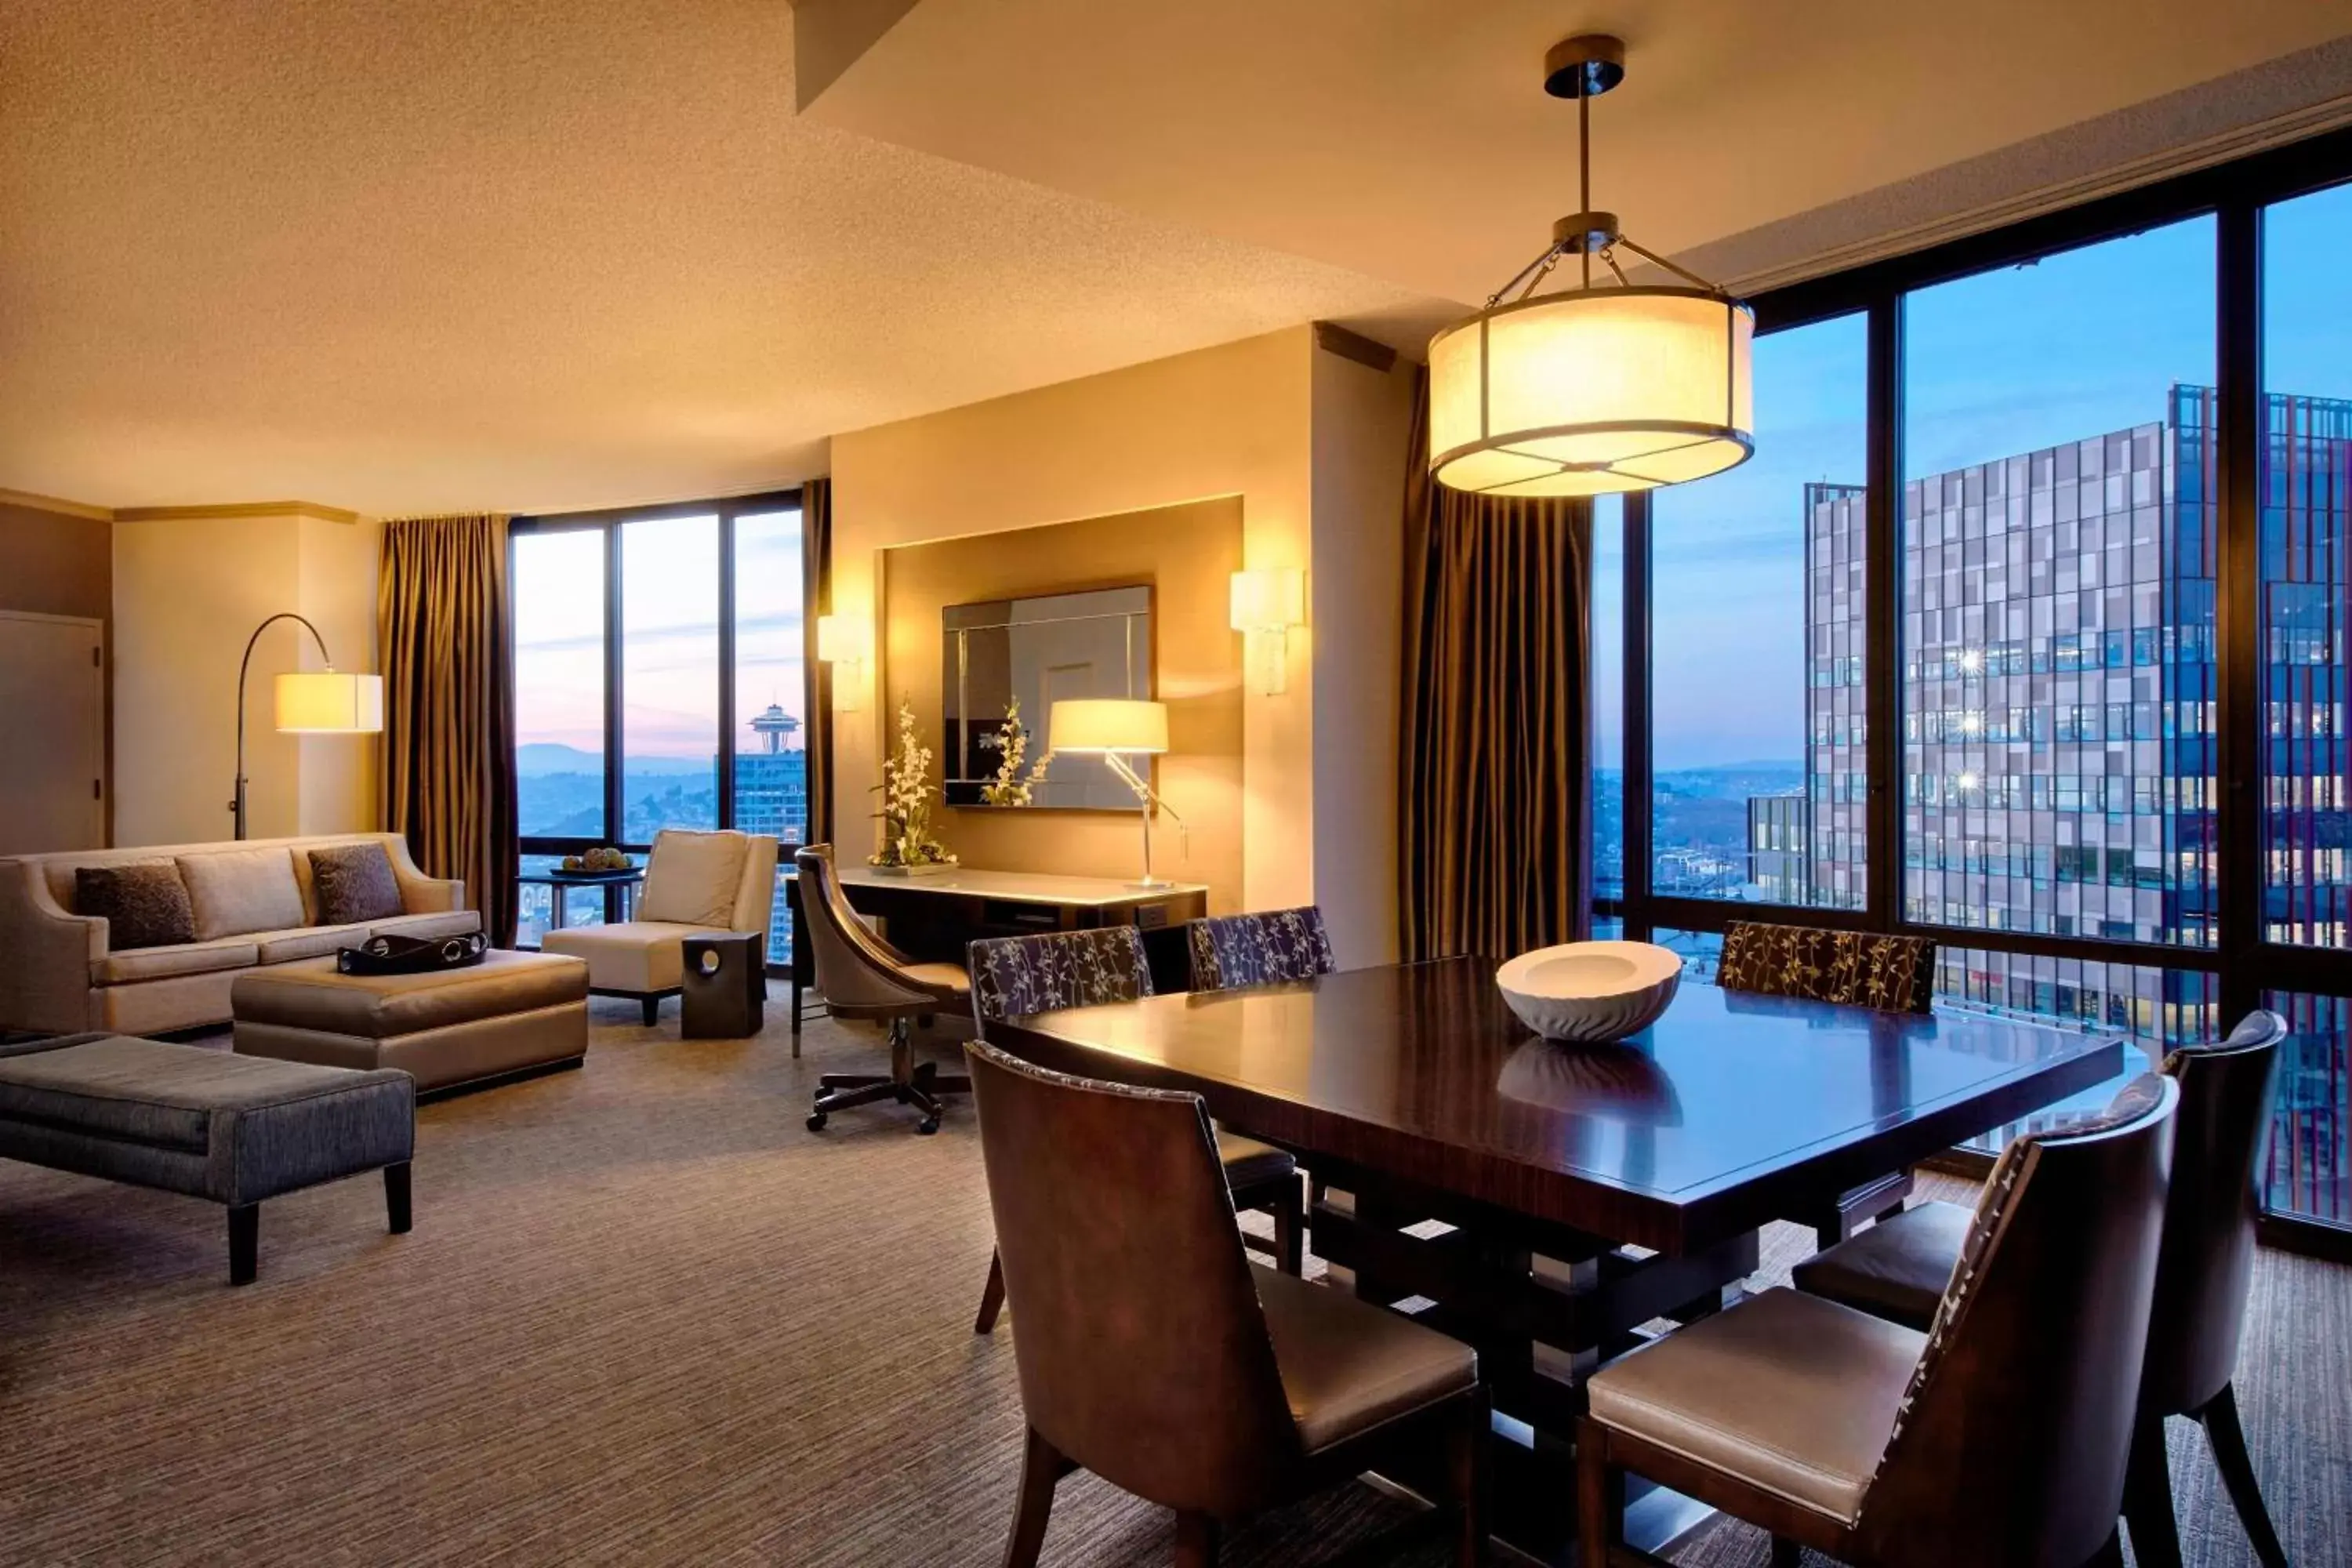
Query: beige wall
(1186, 555)
(1246, 420)
(188, 591)
(1362, 419)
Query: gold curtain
(448, 678)
(1495, 801)
(816, 599)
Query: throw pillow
(240, 891)
(354, 882)
(144, 903)
(692, 878)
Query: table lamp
(1116, 728)
(309, 702)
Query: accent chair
(2002, 1434)
(1896, 1271)
(1854, 969)
(1014, 976)
(1266, 947)
(696, 884)
(1152, 1353)
(863, 977)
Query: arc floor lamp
(309, 702)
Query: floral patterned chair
(1854, 969)
(1013, 976)
(1262, 949)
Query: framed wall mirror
(1037, 651)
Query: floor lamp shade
(329, 702)
(1591, 393)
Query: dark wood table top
(1730, 1111)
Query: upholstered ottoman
(206, 1123)
(510, 1013)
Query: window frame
(610, 521)
(2234, 194)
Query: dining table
(1556, 1205)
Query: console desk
(932, 917)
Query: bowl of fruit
(602, 861)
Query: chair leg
(1290, 1231)
(1785, 1554)
(1041, 1466)
(992, 1296)
(651, 1006)
(244, 1243)
(395, 1198)
(2229, 1440)
(1196, 1541)
(1600, 1496)
(2111, 1555)
(1466, 1464)
(2148, 1498)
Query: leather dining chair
(1999, 1436)
(863, 977)
(1854, 969)
(1013, 976)
(1266, 947)
(1896, 1270)
(1152, 1353)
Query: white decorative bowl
(1591, 990)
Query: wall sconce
(1266, 606)
(846, 642)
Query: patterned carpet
(647, 1317)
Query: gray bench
(233, 1128)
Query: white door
(52, 734)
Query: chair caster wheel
(816, 1122)
(928, 1125)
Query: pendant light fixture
(1591, 390)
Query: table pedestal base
(1545, 1307)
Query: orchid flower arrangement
(905, 814)
(1011, 788)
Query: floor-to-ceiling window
(657, 656)
(2055, 620)
(1756, 678)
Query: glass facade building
(2060, 731)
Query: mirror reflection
(1008, 661)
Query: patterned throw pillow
(144, 903)
(353, 882)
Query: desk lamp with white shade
(1116, 729)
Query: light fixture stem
(1584, 169)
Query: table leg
(555, 909)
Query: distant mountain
(545, 759)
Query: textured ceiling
(412, 255)
(1411, 139)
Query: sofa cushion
(692, 878)
(307, 941)
(239, 890)
(354, 882)
(138, 963)
(313, 995)
(143, 903)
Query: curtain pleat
(448, 680)
(816, 586)
(1494, 797)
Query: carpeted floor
(647, 1317)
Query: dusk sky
(2073, 346)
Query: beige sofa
(59, 976)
